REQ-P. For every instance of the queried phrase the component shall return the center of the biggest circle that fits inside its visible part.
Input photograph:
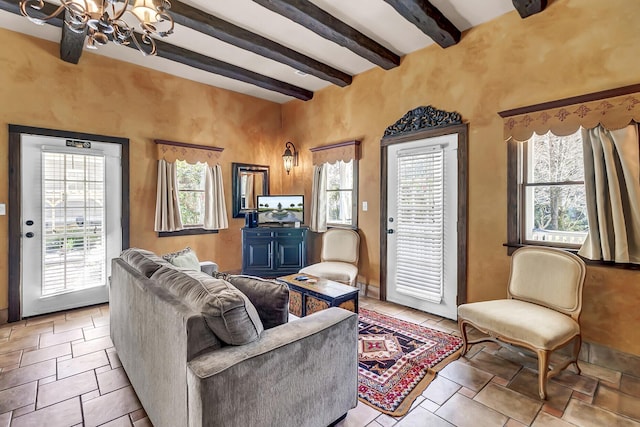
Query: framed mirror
(248, 182)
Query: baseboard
(4, 316)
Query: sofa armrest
(208, 267)
(301, 373)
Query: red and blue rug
(398, 360)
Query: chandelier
(105, 20)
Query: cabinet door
(258, 253)
(289, 253)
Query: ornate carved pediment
(423, 118)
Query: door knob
(390, 231)
(29, 222)
(29, 235)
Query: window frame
(354, 197)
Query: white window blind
(420, 223)
(74, 247)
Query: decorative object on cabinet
(248, 182)
(273, 251)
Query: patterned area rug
(398, 360)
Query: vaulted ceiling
(285, 49)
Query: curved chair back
(549, 277)
(340, 244)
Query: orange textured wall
(108, 97)
(572, 48)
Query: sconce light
(290, 158)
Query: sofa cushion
(227, 311)
(270, 297)
(146, 262)
(186, 258)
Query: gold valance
(191, 153)
(564, 117)
(345, 151)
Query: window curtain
(215, 209)
(319, 199)
(612, 184)
(167, 207)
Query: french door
(71, 208)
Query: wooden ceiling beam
(428, 19)
(310, 16)
(213, 26)
(529, 7)
(71, 44)
(212, 65)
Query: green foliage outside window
(191, 182)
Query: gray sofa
(298, 373)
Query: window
(191, 187)
(342, 195)
(551, 198)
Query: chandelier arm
(38, 5)
(165, 17)
(118, 16)
(146, 39)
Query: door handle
(390, 231)
(29, 235)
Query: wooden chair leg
(543, 372)
(577, 344)
(463, 332)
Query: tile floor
(62, 370)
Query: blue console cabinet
(273, 251)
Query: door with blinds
(422, 224)
(71, 228)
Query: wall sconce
(290, 158)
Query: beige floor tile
(83, 312)
(137, 415)
(429, 405)
(526, 382)
(49, 339)
(47, 380)
(420, 417)
(440, 390)
(17, 397)
(585, 415)
(5, 419)
(599, 372)
(514, 355)
(114, 360)
(67, 368)
(99, 321)
(31, 330)
(625, 363)
(123, 421)
(415, 316)
(630, 385)
(4, 333)
(146, 423)
(510, 403)
(19, 344)
(91, 395)
(464, 412)
(112, 380)
(513, 423)
(466, 375)
(67, 388)
(99, 332)
(8, 359)
(82, 348)
(24, 410)
(27, 374)
(359, 416)
(545, 420)
(618, 402)
(110, 406)
(579, 383)
(62, 414)
(38, 320)
(35, 356)
(68, 325)
(494, 365)
(386, 420)
(374, 423)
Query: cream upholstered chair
(339, 258)
(541, 312)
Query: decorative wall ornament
(423, 118)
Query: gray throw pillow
(146, 262)
(270, 297)
(186, 258)
(227, 311)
